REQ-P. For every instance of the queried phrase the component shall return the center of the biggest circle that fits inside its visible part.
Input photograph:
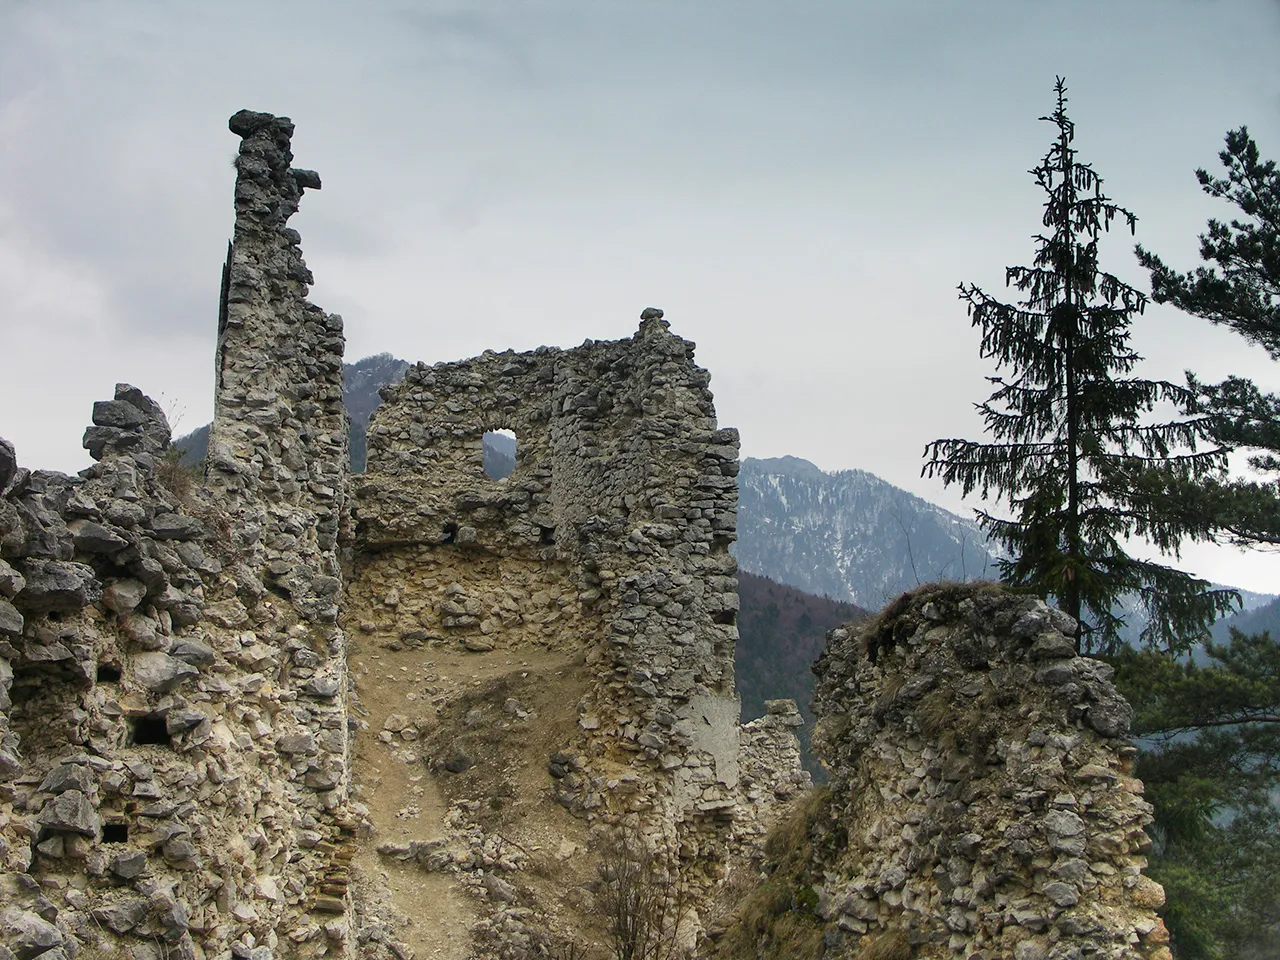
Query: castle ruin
(283, 711)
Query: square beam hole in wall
(498, 453)
(115, 832)
(149, 728)
(108, 673)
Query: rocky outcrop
(982, 796)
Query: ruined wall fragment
(277, 465)
(610, 539)
(981, 785)
(173, 727)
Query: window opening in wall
(548, 535)
(450, 533)
(115, 833)
(498, 453)
(150, 728)
(108, 673)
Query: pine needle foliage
(1238, 287)
(1071, 425)
(1210, 726)
(1210, 759)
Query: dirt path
(405, 689)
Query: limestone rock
(8, 463)
(124, 596)
(173, 526)
(56, 586)
(11, 581)
(123, 914)
(70, 811)
(10, 620)
(160, 672)
(90, 537)
(67, 776)
(30, 935)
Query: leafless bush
(175, 476)
(642, 898)
(566, 948)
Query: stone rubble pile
(978, 774)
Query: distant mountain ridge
(849, 535)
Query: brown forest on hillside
(781, 631)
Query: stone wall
(980, 786)
(173, 722)
(176, 716)
(610, 537)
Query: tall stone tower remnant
(278, 444)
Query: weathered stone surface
(56, 586)
(301, 741)
(179, 721)
(8, 463)
(11, 581)
(122, 915)
(10, 620)
(193, 652)
(990, 772)
(323, 686)
(71, 811)
(129, 865)
(90, 537)
(29, 935)
(117, 413)
(173, 526)
(160, 672)
(67, 776)
(124, 596)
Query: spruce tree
(1070, 426)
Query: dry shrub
(175, 476)
(936, 712)
(642, 898)
(777, 920)
(890, 945)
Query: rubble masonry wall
(610, 537)
(981, 787)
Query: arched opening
(498, 453)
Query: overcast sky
(800, 185)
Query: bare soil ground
(506, 711)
